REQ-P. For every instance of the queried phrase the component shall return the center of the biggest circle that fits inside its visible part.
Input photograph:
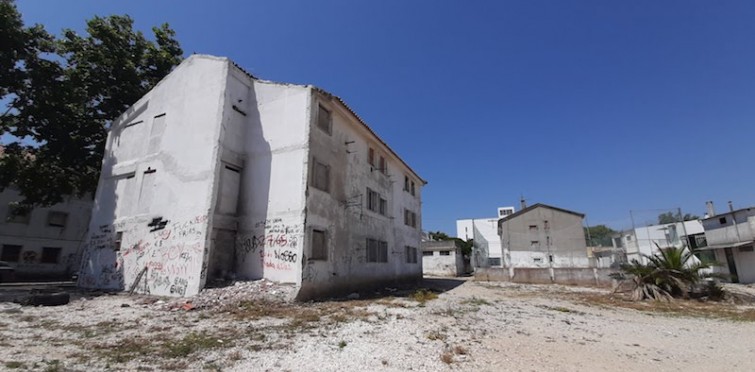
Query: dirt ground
(458, 325)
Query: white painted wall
(487, 235)
(173, 131)
(37, 234)
(438, 264)
(643, 240)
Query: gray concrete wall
(531, 237)
(568, 276)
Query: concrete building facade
(542, 236)
(487, 242)
(43, 243)
(731, 238)
(217, 175)
(442, 258)
(644, 241)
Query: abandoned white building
(215, 174)
(730, 238)
(645, 241)
(487, 241)
(442, 258)
(542, 236)
(43, 243)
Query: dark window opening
(57, 219)
(321, 176)
(50, 255)
(319, 246)
(377, 251)
(722, 220)
(10, 253)
(117, 241)
(324, 120)
(445, 253)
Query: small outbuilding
(442, 258)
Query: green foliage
(599, 236)
(61, 95)
(670, 217)
(466, 246)
(672, 273)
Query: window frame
(317, 166)
(50, 215)
(329, 129)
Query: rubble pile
(232, 294)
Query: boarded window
(323, 119)
(57, 219)
(10, 253)
(445, 253)
(383, 167)
(17, 214)
(411, 254)
(321, 176)
(124, 192)
(156, 133)
(147, 190)
(377, 250)
(50, 255)
(319, 246)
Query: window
(546, 225)
(412, 190)
(629, 238)
(533, 228)
(373, 199)
(371, 157)
(445, 253)
(494, 261)
(534, 244)
(321, 176)
(10, 253)
(383, 206)
(57, 219)
(377, 250)
(383, 169)
(550, 258)
(427, 253)
(117, 241)
(722, 220)
(410, 218)
(411, 254)
(50, 255)
(16, 214)
(323, 119)
(406, 183)
(537, 259)
(319, 246)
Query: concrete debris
(241, 291)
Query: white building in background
(644, 241)
(487, 242)
(45, 242)
(215, 174)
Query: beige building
(543, 236)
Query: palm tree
(672, 273)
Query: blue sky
(597, 106)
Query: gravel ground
(474, 326)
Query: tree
(670, 217)
(61, 95)
(671, 273)
(466, 245)
(599, 236)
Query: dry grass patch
(689, 308)
(447, 357)
(423, 295)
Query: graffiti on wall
(274, 243)
(173, 254)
